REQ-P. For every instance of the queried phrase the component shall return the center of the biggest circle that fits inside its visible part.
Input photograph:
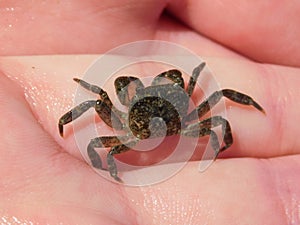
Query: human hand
(45, 180)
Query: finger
(123, 23)
(254, 134)
(247, 27)
(37, 176)
(75, 26)
(227, 193)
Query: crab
(150, 107)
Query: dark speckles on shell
(155, 111)
(168, 102)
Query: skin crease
(44, 179)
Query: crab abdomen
(157, 111)
(155, 117)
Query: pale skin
(45, 180)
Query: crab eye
(104, 95)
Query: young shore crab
(148, 108)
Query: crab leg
(126, 87)
(95, 89)
(103, 110)
(204, 127)
(102, 142)
(112, 167)
(194, 78)
(117, 147)
(213, 99)
(173, 75)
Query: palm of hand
(42, 178)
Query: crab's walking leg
(241, 98)
(173, 75)
(126, 87)
(102, 142)
(95, 89)
(204, 127)
(213, 99)
(194, 78)
(117, 147)
(112, 167)
(103, 110)
(74, 114)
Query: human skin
(251, 47)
